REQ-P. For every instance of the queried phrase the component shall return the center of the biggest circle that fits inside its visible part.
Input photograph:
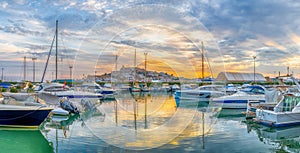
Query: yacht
(22, 115)
(240, 99)
(106, 90)
(202, 93)
(61, 90)
(175, 87)
(285, 113)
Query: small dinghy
(60, 111)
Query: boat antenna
(202, 62)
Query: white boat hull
(277, 119)
(238, 100)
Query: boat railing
(289, 102)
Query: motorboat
(106, 90)
(240, 99)
(61, 90)
(285, 113)
(175, 87)
(122, 87)
(202, 93)
(21, 96)
(23, 116)
(166, 87)
(230, 89)
(135, 88)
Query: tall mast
(56, 34)
(202, 62)
(24, 68)
(116, 68)
(145, 68)
(134, 65)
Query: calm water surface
(151, 123)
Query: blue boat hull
(80, 96)
(107, 92)
(23, 118)
(276, 125)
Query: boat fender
(259, 115)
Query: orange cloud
(274, 44)
(295, 38)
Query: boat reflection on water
(142, 121)
(282, 139)
(231, 113)
(23, 140)
(61, 129)
(134, 122)
(64, 122)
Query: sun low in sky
(91, 33)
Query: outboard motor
(87, 104)
(67, 105)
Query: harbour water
(151, 123)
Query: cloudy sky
(92, 33)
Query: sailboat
(55, 91)
(145, 88)
(203, 93)
(135, 87)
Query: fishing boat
(202, 93)
(23, 116)
(239, 100)
(285, 113)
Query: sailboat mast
(24, 68)
(116, 68)
(56, 34)
(134, 65)
(202, 62)
(145, 68)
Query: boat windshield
(211, 88)
(56, 88)
(254, 90)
